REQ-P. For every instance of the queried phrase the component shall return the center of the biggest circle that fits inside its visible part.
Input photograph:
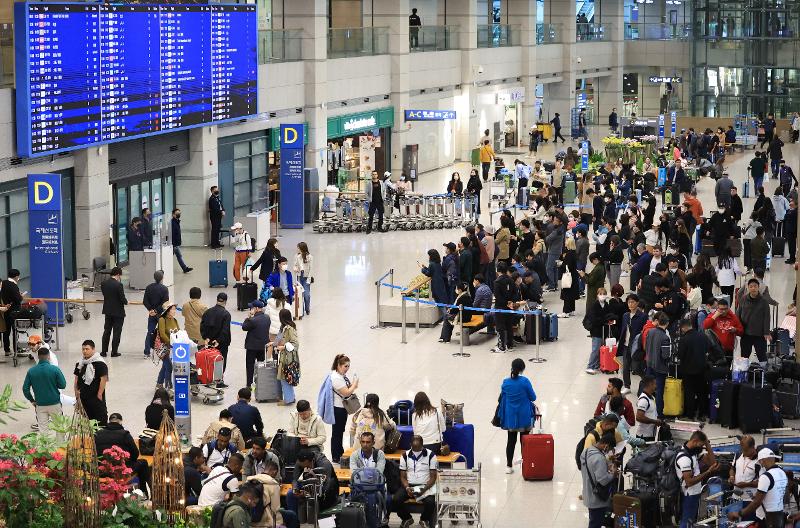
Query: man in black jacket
(503, 300)
(790, 230)
(11, 298)
(215, 214)
(307, 462)
(215, 329)
(257, 327)
(147, 227)
(155, 296)
(647, 287)
(194, 471)
(631, 328)
(247, 417)
(175, 228)
(134, 235)
(114, 302)
(115, 435)
(692, 356)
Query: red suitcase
(608, 359)
(538, 454)
(209, 366)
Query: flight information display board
(94, 73)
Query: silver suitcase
(268, 388)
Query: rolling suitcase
(406, 434)
(608, 359)
(698, 240)
(246, 292)
(352, 515)
(218, 271)
(538, 455)
(461, 439)
(531, 320)
(673, 397)
(782, 341)
(713, 400)
(755, 404)
(778, 246)
(728, 411)
(788, 393)
(268, 388)
(747, 188)
(549, 326)
(210, 365)
(627, 511)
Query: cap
(387, 174)
(256, 304)
(766, 453)
(237, 225)
(35, 339)
(451, 246)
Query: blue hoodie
(325, 401)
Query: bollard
(378, 305)
(417, 295)
(403, 320)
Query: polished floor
(343, 312)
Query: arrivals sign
(292, 186)
(46, 249)
(429, 115)
(655, 79)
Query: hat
(237, 225)
(451, 246)
(766, 453)
(256, 304)
(34, 339)
(489, 229)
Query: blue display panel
(89, 73)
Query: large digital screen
(94, 73)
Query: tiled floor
(343, 307)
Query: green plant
(8, 406)
(597, 158)
(130, 513)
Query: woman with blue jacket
(282, 278)
(516, 409)
(438, 287)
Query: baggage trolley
(210, 393)
(75, 290)
(681, 430)
(458, 494)
(21, 331)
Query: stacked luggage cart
(458, 495)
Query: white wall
(358, 77)
(436, 139)
(440, 68)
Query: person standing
(11, 299)
(754, 313)
(282, 278)
(503, 300)
(215, 214)
(582, 124)
(597, 474)
(45, 379)
(91, 377)
(633, 322)
(757, 168)
(167, 326)
(134, 235)
(516, 409)
(790, 230)
(114, 302)
(155, 297)
(775, 155)
(569, 264)
(175, 229)
(246, 416)
(744, 473)
(286, 345)
(613, 121)
(376, 195)
(692, 355)
(474, 188)
(242, 244)
(268, 259)
(193, 311)
(215, 330)
(687, 464)
(414, 23)
(486, 156)
(146, 228)
(257, 327)
(658, 348)
(302, 271)
(768, 501)
(769, 125)
(556, 122)
(342, 388)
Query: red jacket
(721, 326)
(629, 416)
(649, 325)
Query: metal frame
(458, 495)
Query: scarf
(88, 374)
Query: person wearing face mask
(282, 278)
(687, 465)
(474, 188)
(727, 270)
(215, 213)
(175, 225)
(676, 276)
(402, 187)
(598, 320)
(522, 182)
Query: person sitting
(309, 463)
(218, 451)
(483, 299)
(371, 418)
(247, 417)
(115, 435)
(155, 411)
(194, 470)
(531, 288)
(308, 425)
(614, 388)
(212, 430)
(454, 318)
(257, 458)
(238, 512)
(418, 471)
(221, 481)
(273, 514)
(368, 455)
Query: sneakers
(624, 274)
(498, 349)
(591, 371)
(509, 470)
(563, 315)
(625, 390)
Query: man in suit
(114, 302)
(257, 327)
(215, 329)
(175, 225)
(10, 298)
(215, 214)
(147, 228)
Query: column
(193, 182)
(523, 13)
(463, 14)
(310, 16)
(92, 209)
(560, 97)
(394, 15)
(610, 88)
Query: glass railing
(432, 38)
(589, 32)
(642, 31)
(497, 35)
(6, 55)
(279, 45)
(548, 33)
(357, 42)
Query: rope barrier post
(538, 315)
(391, 274)
(403, 320)
(416, 293)
(58, 341)
(461, 352)
(378, 304)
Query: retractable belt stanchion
(403, 320)
(461, 352)
(538, 359)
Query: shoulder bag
(350, 403)
(392, 442)
(444, 448)
(291, 370)
(496, 422)
(566, 280)
(147, 442)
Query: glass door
(122, 219)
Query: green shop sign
(346, 125)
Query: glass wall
(155, 191)
(243, 172)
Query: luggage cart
(682, 431)
(458, 495)
(21, 331)
(75, 290)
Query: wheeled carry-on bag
(728, 411)
(538, 456)
(246, 292)
(268, 388)
(531, 321)
(608, 356)
(713, 400)
(218, 271)
(788, 393)
(755, 404)
(673, 395)
(210, 365)
(549, 326)
(461, 439)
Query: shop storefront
(511, 127)
(357, 145)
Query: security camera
(480, 70)
(579, 60)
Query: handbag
(453, 413)
(444, 448)
(351, 403)
(566, 280)
(291, 371)
(392, 442)
(147, 442)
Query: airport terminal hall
(399, 263)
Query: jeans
(375, 205)
(775, 164)
(43, 415)
(485, 169)
(152, 323)
(689, 506)
(290, 519)
(594, 357)
(287, 391)
(661, 381)
(306, 294)
(339, 425)
(165, 374)
(552, 270)
(597, 517)
(757, 182)
(749, 342)
(581, 283)
(176, 250)
(112, 324)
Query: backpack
(257, 511)
(580, 446)
(218, 513)
(368, 486)
(668, 480)
(212, 445)
(392, 475)
(645, 463)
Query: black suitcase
(650, 508)
(728, 413)
(246, 292)
(778, 245)
(755, 407)
(352, 516)
(530, 327)
(788, 393)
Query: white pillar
(523, 13)
(92, 209)
(193, 182)
(463, 14)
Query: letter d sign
(42, 192)
(289, 136)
